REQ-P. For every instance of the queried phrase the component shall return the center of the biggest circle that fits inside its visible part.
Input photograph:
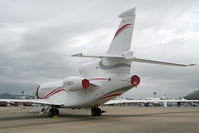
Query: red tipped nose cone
(85, 83)
(135, 80)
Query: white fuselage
(107, 86)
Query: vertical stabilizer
(122, 39)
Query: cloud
(38, 37)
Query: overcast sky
(37, 38)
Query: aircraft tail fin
(122, 39)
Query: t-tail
(119, 57)
(121, 42)
(120, 45)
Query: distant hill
(7, 96)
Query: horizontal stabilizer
(96, 56)
(133, 59)
(157, 62)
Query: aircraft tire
(50, 113)
(96, 111)
(56, 112)
(92, 112)
(53, 111)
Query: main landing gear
(96, 111)
(53, 112)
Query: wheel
(96, 111)
(56, 112)
(92, 112)
(51, 112)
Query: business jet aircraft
(101, 80)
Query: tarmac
(117, 119)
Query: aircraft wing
(147, 101)
(133, 59)
(35, 101)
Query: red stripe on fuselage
(109, 96)
(112, 95)
(52, 92)
(98, 79)
(58, 91)
(55, 91)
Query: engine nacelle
(75, 83)
(135, 80)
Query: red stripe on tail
(121, 29)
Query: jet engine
(135, 80)
(75, 83)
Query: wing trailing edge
(35, 101)
(133, 59)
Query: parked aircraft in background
(150, 101)
(192, 96)
(101, 80)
